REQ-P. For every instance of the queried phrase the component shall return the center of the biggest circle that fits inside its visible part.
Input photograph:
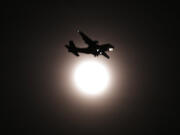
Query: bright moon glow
(91, 77)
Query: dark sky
(34, 36)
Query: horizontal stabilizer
(72, 48)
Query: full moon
(91, 77)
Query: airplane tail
(72, 48)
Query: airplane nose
(111, 49)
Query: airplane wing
(105, 54)
(86, 39)
(75, 53)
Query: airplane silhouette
(93, 47)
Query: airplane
(93, 47)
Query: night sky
(142, 100)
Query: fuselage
(88, 50)
(95, 49)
